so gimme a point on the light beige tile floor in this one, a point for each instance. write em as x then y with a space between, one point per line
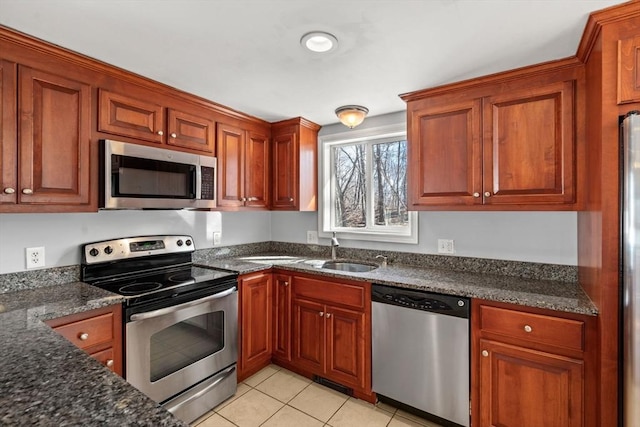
275 397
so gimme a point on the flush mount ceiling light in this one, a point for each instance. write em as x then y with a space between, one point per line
319 41
351 115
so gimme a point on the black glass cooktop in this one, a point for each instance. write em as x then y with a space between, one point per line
167 283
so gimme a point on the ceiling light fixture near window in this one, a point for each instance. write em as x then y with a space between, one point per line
319 41
351 115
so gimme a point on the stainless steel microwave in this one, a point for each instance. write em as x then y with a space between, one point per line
139 177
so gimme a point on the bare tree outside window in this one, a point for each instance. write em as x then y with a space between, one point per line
370 185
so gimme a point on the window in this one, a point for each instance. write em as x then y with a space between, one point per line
365 188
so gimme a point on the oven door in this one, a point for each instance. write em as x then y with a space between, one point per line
172 349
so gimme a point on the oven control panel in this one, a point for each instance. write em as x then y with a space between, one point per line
132 247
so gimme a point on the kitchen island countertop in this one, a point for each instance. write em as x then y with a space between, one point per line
46 381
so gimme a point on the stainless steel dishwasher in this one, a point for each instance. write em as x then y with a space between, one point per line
421 351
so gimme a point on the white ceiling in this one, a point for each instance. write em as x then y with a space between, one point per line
246 53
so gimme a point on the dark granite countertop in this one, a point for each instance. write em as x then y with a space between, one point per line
47 381
550 294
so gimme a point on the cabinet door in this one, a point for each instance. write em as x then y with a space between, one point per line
629 70
122 115
255 323
308 335
8 133
54 148
191 130
256 167
529 144
282 317
345 349
520 387
229 149
285 171
444 153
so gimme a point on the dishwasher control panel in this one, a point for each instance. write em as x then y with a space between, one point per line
419 300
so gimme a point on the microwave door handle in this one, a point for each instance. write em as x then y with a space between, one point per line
173 309
198 182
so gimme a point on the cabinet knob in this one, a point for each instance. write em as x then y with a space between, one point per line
291 199
487 194
252 199
9 190
27 191
173 135
243 199
160 133
321 313
286 283
485 353
84 336
476 194
109 363
328 315
528 328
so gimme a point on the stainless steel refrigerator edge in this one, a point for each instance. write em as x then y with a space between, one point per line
631 270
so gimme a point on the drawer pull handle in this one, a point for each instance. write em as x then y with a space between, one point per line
485 353
321 313
27 191
528 328
83 336
9 190
109 363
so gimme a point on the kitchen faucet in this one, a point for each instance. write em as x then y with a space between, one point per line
334 245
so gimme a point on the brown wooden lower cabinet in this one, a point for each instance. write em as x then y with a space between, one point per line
98 332
531 367
332 331
255 323
309 324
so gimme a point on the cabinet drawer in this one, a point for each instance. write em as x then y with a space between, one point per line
89 332
340 294
105 357
556 331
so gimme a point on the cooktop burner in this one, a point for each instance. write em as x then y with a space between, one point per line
136 288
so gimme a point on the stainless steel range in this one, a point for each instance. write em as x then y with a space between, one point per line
181 320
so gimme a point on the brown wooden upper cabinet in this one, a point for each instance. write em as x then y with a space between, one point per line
191 127
629 70
243 167
498 145
45 147
295 170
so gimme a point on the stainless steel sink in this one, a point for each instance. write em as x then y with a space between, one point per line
353 267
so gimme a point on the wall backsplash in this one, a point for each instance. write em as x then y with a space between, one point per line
541 237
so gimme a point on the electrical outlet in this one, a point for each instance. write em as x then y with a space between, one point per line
445 246
312 237
217 237
34 257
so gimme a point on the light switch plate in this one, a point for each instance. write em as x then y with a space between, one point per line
312 237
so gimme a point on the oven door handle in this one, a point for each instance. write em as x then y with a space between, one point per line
173 309
220 377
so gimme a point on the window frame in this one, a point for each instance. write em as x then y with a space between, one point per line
326 212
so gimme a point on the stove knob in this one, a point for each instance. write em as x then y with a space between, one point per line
94 252
188 242
179 242
108 250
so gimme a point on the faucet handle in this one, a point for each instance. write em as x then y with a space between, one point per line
384 259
